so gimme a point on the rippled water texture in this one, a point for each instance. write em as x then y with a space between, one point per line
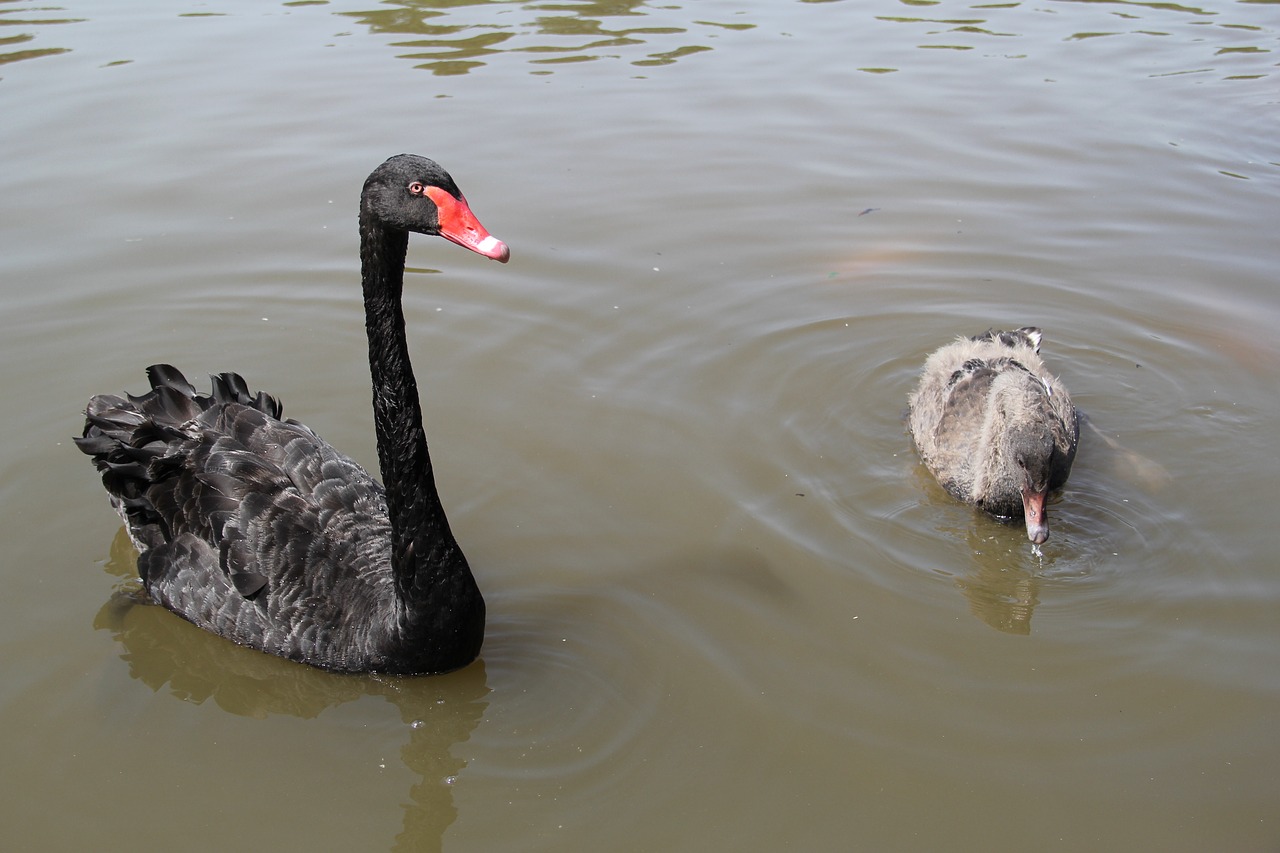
729 610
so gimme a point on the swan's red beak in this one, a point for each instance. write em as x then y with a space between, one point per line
459 224
1033 509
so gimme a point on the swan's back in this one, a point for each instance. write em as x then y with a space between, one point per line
247 525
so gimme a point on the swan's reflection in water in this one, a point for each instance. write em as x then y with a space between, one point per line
167 653
1001 581
1002 587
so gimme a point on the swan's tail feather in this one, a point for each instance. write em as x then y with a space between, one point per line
134 443
231 388
1026 336
166 375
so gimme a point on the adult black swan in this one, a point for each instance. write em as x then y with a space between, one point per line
994 426
254 528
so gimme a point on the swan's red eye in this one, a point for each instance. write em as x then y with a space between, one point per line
416 188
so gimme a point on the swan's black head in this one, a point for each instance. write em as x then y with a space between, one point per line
413 193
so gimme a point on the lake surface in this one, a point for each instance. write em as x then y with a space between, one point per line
728 609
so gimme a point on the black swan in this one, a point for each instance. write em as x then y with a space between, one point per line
994 426
254 528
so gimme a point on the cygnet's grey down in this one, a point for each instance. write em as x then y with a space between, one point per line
994 427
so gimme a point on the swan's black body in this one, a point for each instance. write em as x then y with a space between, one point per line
254 528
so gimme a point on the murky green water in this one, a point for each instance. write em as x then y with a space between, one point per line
728 609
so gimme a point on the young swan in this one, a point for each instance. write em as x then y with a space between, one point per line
994 426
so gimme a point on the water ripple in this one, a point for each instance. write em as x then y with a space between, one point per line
458 38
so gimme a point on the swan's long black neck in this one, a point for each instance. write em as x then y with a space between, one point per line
431 573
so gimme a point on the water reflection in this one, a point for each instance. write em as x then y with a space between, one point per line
164 651
979 23
32 17
455 36
1002 586
1003 576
